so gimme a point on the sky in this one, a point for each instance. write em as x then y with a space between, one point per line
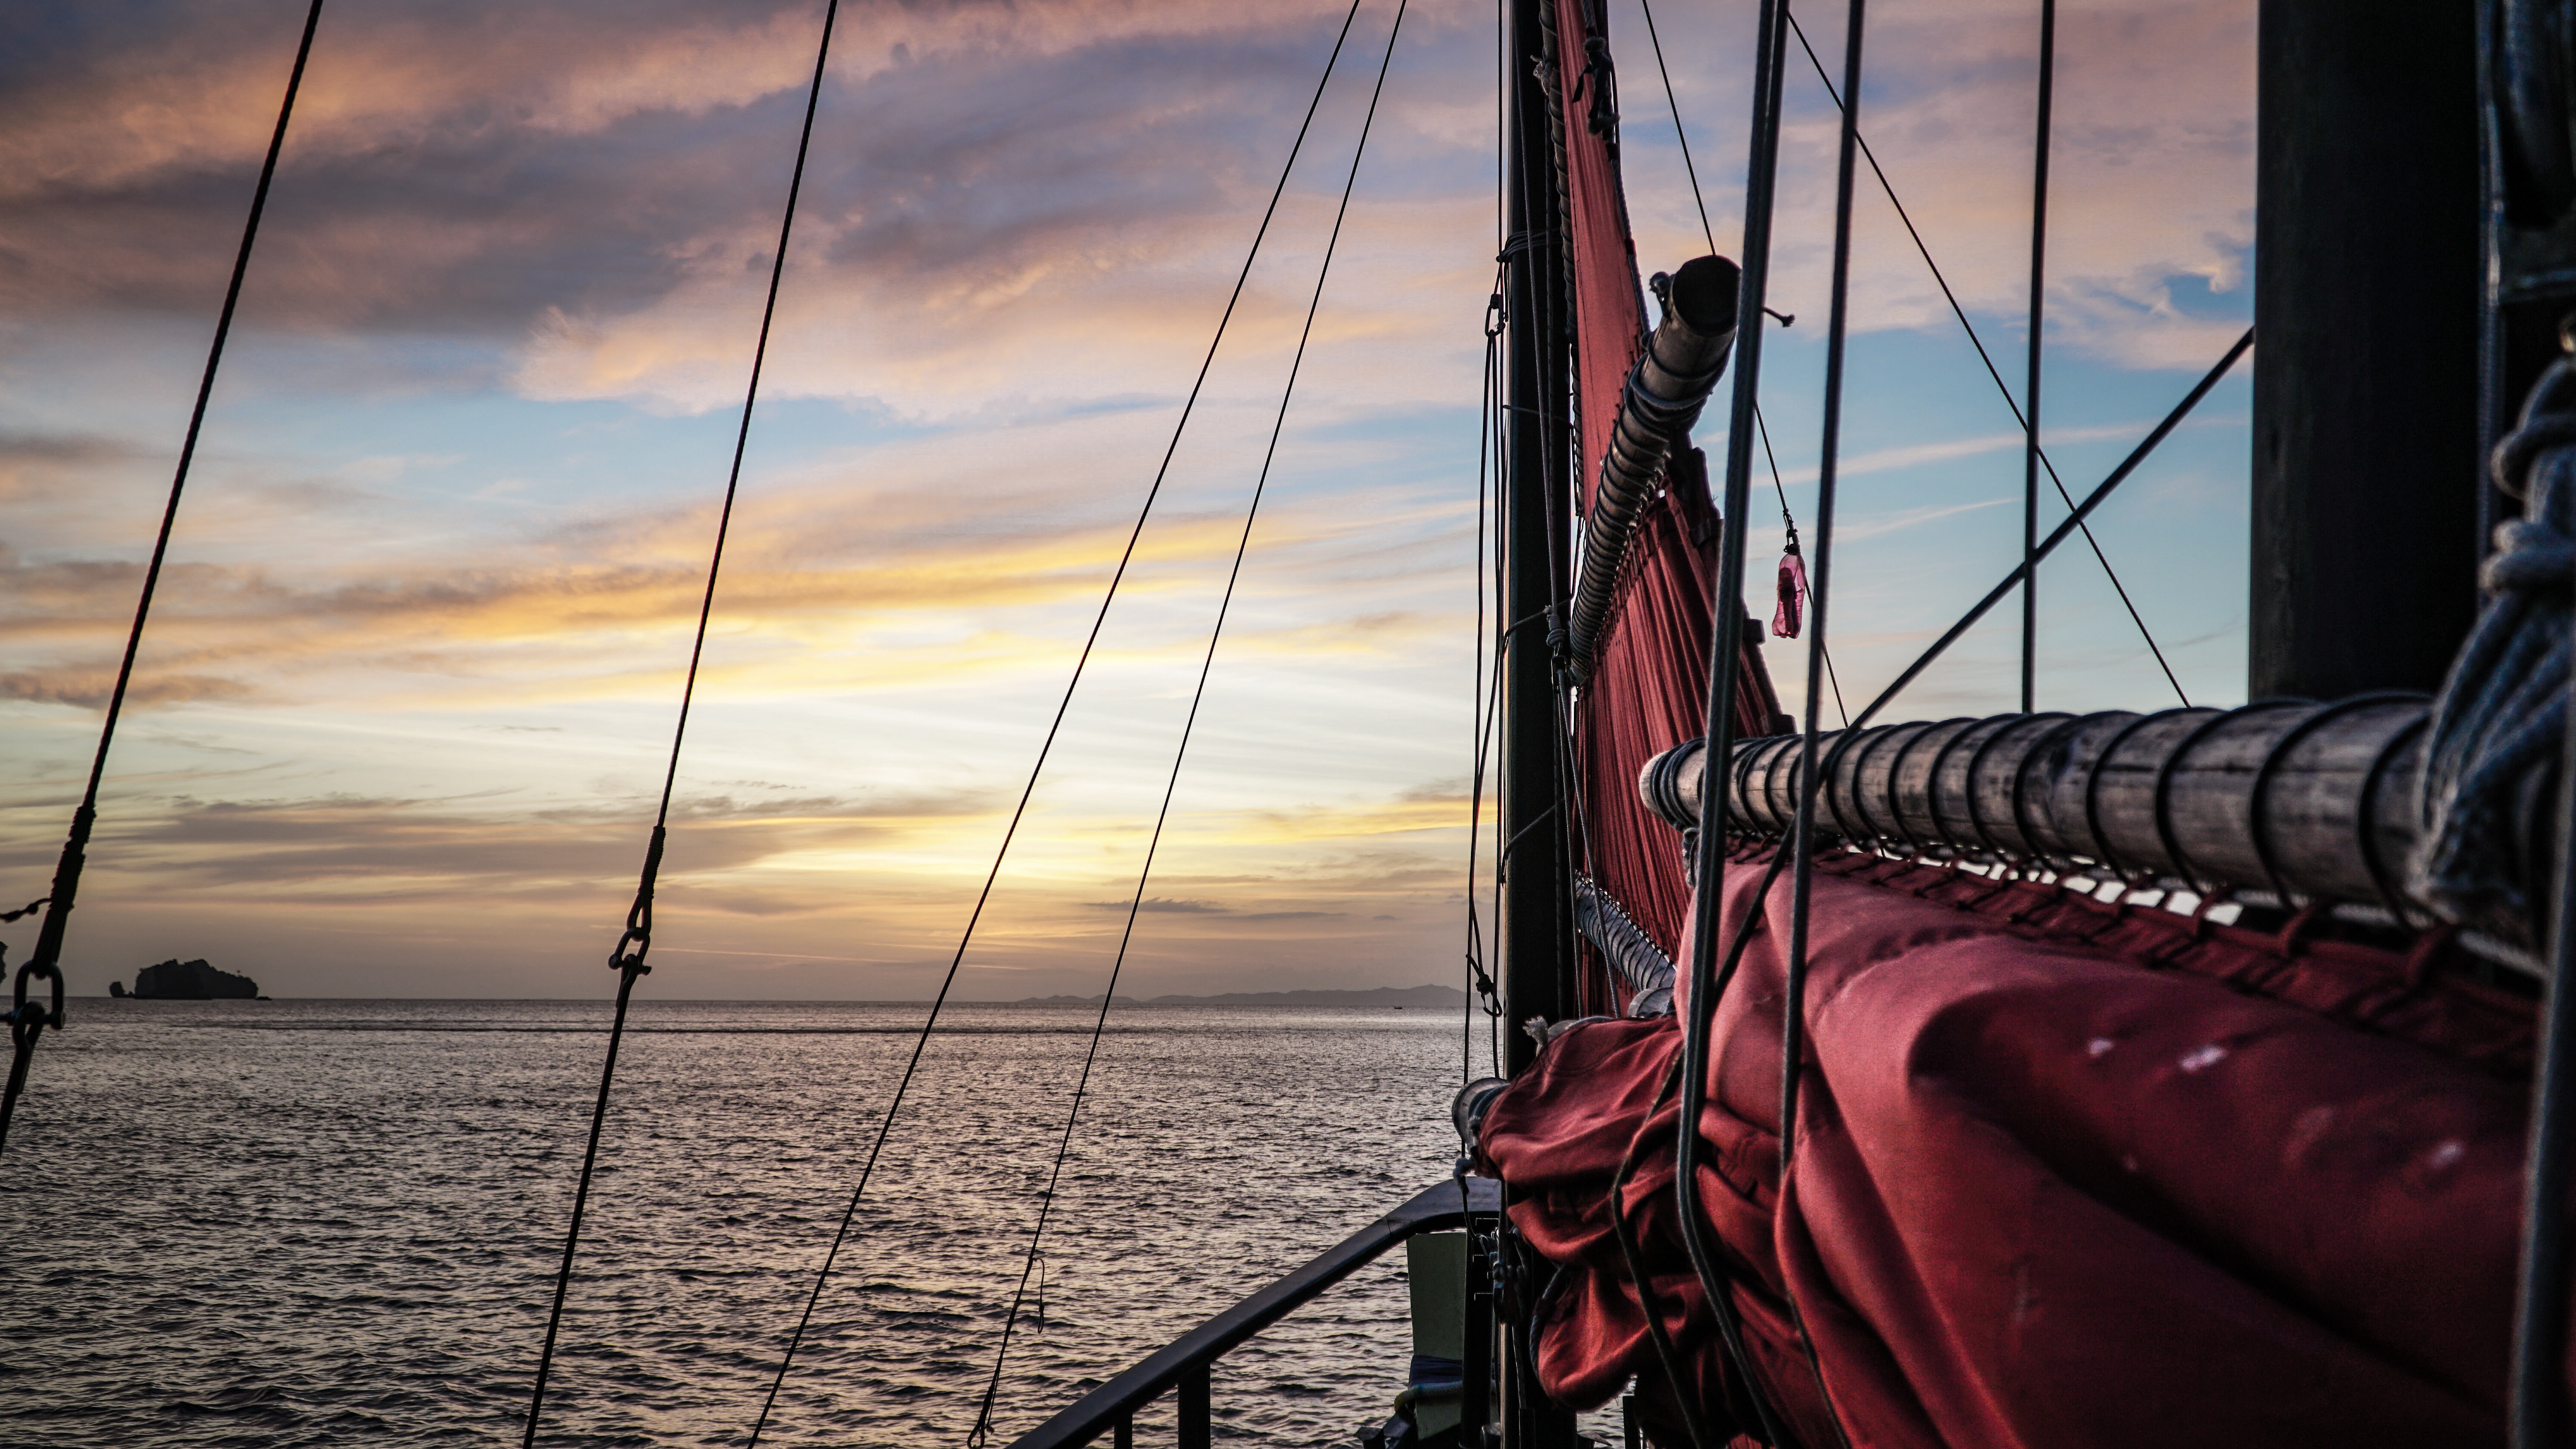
399 722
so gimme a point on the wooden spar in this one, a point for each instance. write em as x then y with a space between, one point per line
1537 915
1666 389
2308 802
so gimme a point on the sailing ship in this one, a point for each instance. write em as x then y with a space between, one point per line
2187 1076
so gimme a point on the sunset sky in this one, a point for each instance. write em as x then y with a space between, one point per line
399 720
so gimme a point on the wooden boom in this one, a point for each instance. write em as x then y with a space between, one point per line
2310 802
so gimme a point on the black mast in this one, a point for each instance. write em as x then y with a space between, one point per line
1537 916
1536 926
2367 282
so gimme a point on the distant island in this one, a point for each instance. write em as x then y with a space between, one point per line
188 981
1407 996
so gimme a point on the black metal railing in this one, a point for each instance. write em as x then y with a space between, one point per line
1111 1409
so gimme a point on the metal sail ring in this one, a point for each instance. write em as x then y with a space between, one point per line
1896 772
1743 773
2260 806
1941 818
2163 808
1784 749
2366 829
1986 833
2093 782
1860 754
2030 837
1829 768
1888 832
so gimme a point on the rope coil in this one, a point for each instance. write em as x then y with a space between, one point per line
2483 853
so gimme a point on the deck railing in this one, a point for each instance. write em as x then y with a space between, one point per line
1184 1363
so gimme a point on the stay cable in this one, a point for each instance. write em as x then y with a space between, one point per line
912 1064
2002 388
627 957
1180 753
28 1020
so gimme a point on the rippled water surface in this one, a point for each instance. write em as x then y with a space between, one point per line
336 1222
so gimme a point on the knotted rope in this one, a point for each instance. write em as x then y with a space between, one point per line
2485 840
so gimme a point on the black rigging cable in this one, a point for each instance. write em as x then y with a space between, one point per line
1126 555
976 1437
2002 388
638 935
1828 456
2069 525
1480 982
2030 388
1489 443
28 1021
1761 174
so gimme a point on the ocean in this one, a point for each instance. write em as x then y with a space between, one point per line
338 1222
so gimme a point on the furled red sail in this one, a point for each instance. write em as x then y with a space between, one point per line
1648 687
2066 1174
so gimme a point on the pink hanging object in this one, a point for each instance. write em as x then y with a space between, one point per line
1793 596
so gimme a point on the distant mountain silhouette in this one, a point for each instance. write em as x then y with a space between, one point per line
1407 996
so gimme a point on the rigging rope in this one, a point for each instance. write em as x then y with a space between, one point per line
2030 388
27 1023
977 1436
1761 174
2002 389
1480 981
2059 535
1082 661
638 935
1828 457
